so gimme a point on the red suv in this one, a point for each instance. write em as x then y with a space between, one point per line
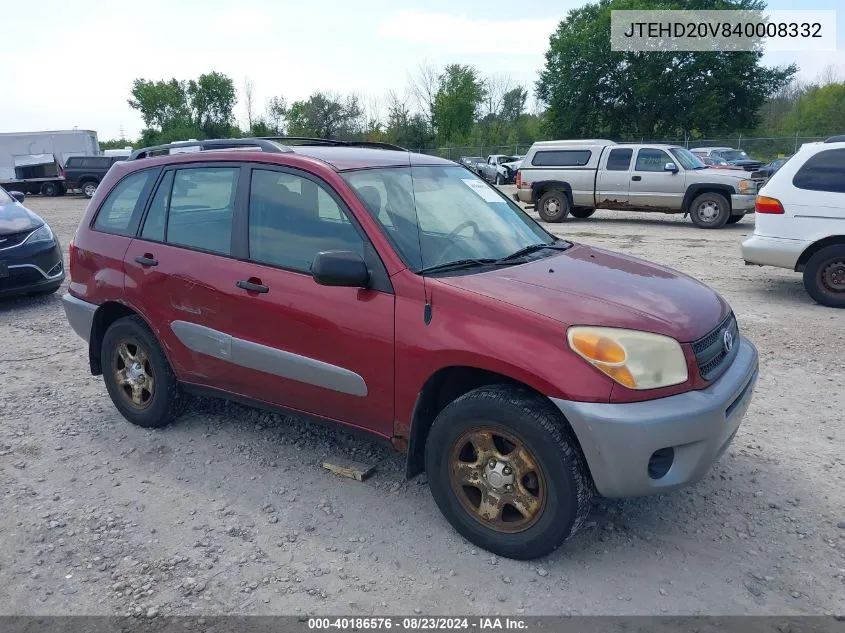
400 294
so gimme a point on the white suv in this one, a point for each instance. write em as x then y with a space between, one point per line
800 220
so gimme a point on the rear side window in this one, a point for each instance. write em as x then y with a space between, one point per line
116 213
201 208
562 158
619 159
824 171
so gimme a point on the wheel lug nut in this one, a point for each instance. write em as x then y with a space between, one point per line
506 470
492 463
509 487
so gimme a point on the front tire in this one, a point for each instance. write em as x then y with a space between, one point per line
824 276
499 179
553 206
507 473
138 377
710 211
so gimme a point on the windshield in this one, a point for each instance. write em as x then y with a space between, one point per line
509 159
435 215
5 198
734 154
687 159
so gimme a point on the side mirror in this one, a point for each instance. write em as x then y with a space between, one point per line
340 268
20 196
670 167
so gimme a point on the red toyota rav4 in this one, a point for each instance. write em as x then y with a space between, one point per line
400 294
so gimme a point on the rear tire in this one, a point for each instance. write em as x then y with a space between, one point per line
501 444
735 218
138 377
824 276
582 212
89 188
49 189
553 206
710 211
499 180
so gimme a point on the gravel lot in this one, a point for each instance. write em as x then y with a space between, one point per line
228 510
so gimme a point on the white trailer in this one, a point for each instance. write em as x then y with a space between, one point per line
32 162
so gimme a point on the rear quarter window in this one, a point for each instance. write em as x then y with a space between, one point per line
123 203
562 158
824 171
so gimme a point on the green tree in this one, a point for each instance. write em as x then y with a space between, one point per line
325 115
116 143
161 103
513 104
460 93
211 100
591 90
277 111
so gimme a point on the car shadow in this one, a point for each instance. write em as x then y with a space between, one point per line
30 301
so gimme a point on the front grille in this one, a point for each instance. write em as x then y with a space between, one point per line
19 277
712 353
14 239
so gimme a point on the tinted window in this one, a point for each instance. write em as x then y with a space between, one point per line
652 160
291 219
619 159
115 216
157 213
823 172
201 208
562 158
73 162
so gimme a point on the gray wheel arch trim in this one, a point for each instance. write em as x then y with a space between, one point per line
80 315
243 353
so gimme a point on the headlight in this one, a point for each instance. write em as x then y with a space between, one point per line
637 360
746 186
41 234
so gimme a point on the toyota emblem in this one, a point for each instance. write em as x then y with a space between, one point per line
728 341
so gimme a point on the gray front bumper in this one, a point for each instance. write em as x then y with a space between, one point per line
742 202
619 439
80 315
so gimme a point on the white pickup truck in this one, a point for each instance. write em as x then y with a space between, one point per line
563 178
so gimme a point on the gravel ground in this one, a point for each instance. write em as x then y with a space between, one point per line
228 510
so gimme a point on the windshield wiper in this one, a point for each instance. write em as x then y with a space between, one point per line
559 245
456 265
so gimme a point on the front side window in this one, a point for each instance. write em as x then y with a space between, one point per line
292 218
115 215
734 154
201 209
652 160
824 171
435 215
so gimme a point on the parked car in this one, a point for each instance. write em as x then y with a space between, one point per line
86 172
500 169
30 253
733 156
398 294
800 222
473 163
719 163
577 177
766 171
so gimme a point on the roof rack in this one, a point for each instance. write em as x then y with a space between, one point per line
264 145
308 140
836 139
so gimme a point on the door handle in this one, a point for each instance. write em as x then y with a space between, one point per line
252 287
636 178
146 260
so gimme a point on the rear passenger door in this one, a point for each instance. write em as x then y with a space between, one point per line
179 272
652 187
614 178
326 351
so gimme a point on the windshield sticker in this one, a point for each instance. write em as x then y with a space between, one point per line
487 193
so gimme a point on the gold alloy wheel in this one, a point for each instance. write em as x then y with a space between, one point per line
497 479
133 373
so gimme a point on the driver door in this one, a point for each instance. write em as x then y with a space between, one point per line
651 185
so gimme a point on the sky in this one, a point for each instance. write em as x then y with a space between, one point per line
72 64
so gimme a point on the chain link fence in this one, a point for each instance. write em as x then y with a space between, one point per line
760 147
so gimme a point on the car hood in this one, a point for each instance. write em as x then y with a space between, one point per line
15 218
591 286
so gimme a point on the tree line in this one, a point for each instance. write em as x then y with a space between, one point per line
584 90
